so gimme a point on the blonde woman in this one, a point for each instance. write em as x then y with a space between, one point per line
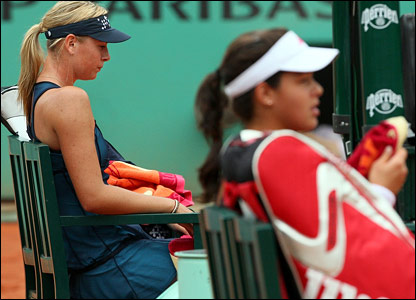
115 262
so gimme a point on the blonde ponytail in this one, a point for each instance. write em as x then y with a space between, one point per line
32 58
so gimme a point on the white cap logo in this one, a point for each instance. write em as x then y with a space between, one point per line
104 22
378 16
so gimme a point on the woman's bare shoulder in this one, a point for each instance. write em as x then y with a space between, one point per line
67 101
62 112
70 94
67 106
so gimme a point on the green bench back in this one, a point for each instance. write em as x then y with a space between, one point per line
41 225
25 219
242 255
216 228
257 248
48 232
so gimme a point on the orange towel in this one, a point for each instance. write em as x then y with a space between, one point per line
148 182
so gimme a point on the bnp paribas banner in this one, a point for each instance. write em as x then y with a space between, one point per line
143 98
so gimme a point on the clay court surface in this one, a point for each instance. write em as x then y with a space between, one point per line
12 272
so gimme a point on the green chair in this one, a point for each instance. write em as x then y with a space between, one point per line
25 219
242 255
216 228
258 259
52 270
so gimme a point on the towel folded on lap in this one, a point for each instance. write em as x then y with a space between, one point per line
148 182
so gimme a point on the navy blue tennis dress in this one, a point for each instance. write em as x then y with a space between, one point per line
117 262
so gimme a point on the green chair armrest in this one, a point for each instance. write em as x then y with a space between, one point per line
158 218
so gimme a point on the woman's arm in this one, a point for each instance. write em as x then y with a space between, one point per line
73 122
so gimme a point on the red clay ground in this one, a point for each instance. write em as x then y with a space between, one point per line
12 271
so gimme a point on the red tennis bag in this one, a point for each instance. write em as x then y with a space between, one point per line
340 239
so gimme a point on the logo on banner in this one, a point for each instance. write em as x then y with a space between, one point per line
384 101
378 16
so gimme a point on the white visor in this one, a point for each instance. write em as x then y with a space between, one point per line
291 54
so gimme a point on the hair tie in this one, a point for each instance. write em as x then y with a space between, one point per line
220 80
218 74
40 25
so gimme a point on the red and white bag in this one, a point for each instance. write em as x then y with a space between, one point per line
341 240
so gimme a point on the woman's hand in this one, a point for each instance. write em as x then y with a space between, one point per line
181 228
390 170
185 228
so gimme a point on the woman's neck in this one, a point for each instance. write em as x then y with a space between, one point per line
56 72
263 125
